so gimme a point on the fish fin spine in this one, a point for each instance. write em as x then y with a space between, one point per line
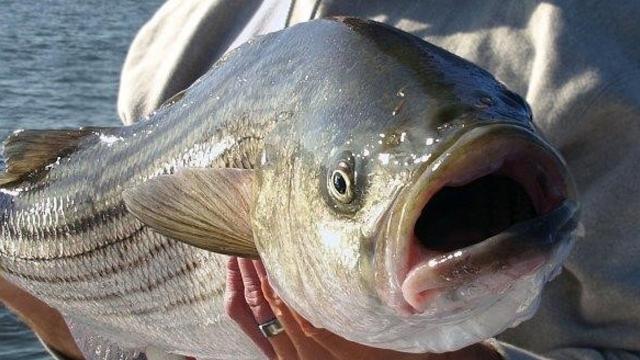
28 152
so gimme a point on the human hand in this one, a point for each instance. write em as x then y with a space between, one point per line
251 301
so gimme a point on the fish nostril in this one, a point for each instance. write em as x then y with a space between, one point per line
514 100
484 102
448 113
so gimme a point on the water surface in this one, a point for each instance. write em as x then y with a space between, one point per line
60 64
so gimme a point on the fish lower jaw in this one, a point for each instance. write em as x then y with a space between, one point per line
426 291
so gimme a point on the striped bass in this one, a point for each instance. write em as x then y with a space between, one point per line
398 195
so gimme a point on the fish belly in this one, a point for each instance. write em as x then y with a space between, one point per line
140 290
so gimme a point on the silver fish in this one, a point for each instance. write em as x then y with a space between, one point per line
397 194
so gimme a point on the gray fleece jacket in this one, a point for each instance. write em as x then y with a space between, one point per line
576 62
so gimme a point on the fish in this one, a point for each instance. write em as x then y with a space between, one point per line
398 195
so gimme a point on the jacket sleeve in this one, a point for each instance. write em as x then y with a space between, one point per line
174 48
582 80
510 352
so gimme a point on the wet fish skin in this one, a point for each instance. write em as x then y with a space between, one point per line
288 105
413 104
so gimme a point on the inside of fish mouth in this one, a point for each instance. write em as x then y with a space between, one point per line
459 216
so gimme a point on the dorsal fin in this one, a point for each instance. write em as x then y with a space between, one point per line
174 99
29 151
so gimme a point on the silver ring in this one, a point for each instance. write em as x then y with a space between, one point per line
271 328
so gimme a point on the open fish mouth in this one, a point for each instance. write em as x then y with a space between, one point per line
484 214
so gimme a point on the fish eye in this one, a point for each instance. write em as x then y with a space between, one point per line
340 183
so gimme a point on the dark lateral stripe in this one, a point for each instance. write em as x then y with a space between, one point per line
79 226
94 274
175 144
177 136
158 141
112 295
186 301
87 223
89 251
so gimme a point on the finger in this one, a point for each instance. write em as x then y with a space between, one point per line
267 291
342 348
305 347
238 309
261 309
262 272
315 343
339 347
253 293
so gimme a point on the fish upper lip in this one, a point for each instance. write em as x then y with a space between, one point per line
457 166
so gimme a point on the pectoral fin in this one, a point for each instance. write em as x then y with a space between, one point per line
207 208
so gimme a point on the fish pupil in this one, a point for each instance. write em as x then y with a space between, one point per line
339 183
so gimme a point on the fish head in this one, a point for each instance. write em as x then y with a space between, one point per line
412 204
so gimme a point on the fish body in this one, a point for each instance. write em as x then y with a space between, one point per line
354 139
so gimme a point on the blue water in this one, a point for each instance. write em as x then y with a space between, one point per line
59 67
